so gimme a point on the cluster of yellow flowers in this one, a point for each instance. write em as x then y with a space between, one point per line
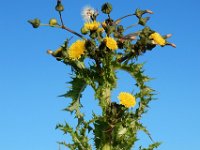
78 48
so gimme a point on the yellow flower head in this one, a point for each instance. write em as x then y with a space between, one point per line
92 26
76 49
111 43
157 39
127 99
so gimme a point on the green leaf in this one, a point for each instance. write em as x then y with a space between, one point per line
151 147
80 141
78 86
139 126
101 136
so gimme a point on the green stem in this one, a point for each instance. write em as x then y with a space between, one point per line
119 19
104 98
107 95
133 25
69 30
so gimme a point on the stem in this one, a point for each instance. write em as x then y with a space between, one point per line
66 28
104 97
119 19
133 25
125 57
107 94
109 16
61 18
73 32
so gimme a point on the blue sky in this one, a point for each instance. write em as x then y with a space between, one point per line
30 80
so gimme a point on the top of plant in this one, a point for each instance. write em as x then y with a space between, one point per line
108 47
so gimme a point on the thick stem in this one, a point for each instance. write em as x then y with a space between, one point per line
107 95
104 98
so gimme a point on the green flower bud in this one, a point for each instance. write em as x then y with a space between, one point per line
120 29
106 8
59 7
117 35
120 45
93 35
139 13
143 21
35 23
106 147
84 30
53 22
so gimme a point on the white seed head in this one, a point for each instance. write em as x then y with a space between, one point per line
88 12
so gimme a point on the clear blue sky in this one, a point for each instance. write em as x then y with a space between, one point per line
30 80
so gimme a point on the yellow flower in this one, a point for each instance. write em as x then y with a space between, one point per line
76 49
92 26
157 39
127 99
111 43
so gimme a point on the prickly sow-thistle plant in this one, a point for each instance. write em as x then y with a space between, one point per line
107 50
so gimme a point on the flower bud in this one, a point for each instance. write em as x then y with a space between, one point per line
139 13
103 24
106 147
53 22
143 21
100 30
59 7
35 23
106 8
93 35
84 30
120 29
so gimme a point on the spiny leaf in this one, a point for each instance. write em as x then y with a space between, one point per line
80 141
151 147
78 85
101 136
144 129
